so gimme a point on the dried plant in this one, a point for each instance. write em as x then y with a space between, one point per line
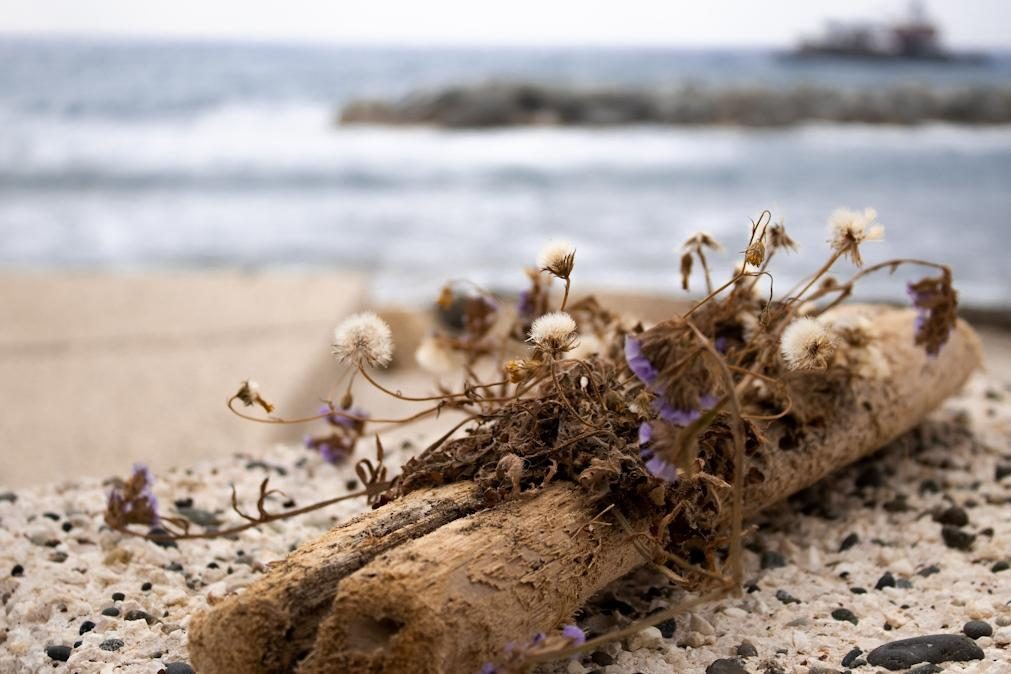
653 421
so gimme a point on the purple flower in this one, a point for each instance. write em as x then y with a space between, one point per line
708 401
338 418
538 639
672 415
662 469
575 635
525 304
488 668
721 344
637 361
645 433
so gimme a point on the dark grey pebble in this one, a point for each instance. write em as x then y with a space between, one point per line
988 532
351 485
1000 566
667 628
137 614
174 566
51 516
934 648
111 611
59 653
858 590
929 571
66 526
77 644
956 538
899 504
974 629
851 657
925 669
18 571
904 584
746 649
887 580
772 560
8 496
204 518
178 668
146 587
86 626
601 658
111 644
955 516
162 543
118 596
844 614
930 486
786 598
815 669
1001 472
871 476
726 666
183 502
849 542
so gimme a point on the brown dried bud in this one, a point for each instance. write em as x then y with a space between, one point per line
249 394
755 254
686 269
778 238
519 370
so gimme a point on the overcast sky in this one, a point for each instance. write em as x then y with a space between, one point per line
967 23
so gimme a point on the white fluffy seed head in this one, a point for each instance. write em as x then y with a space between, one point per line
848 229
557 257
363 339
807 344
433 357
554 332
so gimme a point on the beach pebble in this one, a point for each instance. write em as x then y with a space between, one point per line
974 629
936 648
746 649
886 580
178 668
1002 637
850 658
957 538
667 628
844 614
647 638
954 516
59 653
699 624
111 644
726 666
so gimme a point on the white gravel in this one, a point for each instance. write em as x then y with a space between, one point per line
72 565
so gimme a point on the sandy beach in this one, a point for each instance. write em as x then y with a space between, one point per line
141 368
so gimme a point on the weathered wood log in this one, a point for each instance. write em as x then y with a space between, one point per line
272 625
450 599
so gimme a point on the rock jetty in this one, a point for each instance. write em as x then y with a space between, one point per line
497 104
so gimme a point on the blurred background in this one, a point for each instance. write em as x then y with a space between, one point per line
192 193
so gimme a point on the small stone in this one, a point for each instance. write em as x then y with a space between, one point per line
929 571
1000 566
858 590
111 645
67 526
17 571
974 629
925 669
204 518
844 614
956 538
111 611
887 580
735 612
772 560
667 628
178 668
146 587
162 543
746 649
871 476
935 648
601 658
86 626
59 653
822 670
726 666
786 598
849 542
954 516
8 496
137 614
699 624
647 638
851 657
183 502
1001 472
118 596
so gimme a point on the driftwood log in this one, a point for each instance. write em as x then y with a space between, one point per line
435 582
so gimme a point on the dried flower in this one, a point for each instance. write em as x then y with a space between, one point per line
433 356
701 240
249 394
575 635
687 260
518 370
936 302
860 335
554 333
807 344
348 426
849 229
779 239
133 501
588 345
755 254
557 258
363 339
656 466
637 361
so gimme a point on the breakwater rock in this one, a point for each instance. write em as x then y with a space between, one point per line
497 104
